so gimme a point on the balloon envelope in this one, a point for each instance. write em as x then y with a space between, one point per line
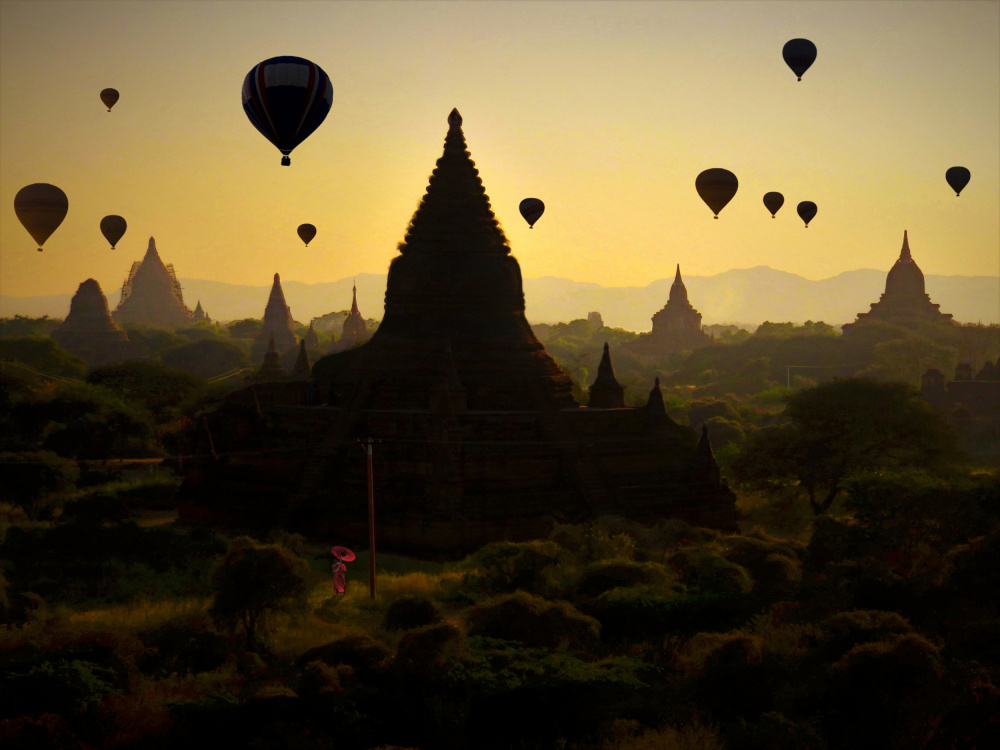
958 178
306 233
773 201
40 208
113 227
343 553
532 210
799 54
286 99
807 210
109 97
716 187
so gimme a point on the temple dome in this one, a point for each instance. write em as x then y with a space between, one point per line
905 278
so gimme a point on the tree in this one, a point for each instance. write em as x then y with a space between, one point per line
28 477
152 385
43 354
252 580
247 328
206 358
841 428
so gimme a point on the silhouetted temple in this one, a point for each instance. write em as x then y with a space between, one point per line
676 328
89 331
477 436
200 314
278 324
354 330
151 295
904 300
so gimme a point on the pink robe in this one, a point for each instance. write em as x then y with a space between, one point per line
340 577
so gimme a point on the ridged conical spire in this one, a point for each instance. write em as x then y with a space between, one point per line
303 369
904 253
277 323
271 369
606 392
151 253
312 338
705 458
677 290
455 214
655 406
354 300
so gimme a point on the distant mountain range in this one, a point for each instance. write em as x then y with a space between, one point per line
750 296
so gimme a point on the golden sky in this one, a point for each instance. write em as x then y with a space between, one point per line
607 111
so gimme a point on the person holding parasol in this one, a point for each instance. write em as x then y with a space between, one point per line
340 556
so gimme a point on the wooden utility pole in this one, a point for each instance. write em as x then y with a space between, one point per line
371 522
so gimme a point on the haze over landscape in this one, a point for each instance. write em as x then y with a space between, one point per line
606 111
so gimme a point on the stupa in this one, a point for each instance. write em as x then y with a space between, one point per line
311 337
355 330
676 328
271 368
200 314
606 392
904 300
89 331
278 324
151 295
476 436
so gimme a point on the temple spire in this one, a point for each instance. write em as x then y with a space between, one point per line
151 251
705 458
354 300
904 254
677 290
302 370
455 214
606 392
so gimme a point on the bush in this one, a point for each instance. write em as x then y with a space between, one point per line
361 652
424 653
533 621
842 631
504 567
598 577
410 612
634 615
183 648
707 570
29 477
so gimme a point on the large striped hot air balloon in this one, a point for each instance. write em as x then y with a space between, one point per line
286 99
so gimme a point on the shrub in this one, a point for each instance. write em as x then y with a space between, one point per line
598 577
426 651
363 653
532 621
29 477
504 567
706 569
633 615
182 648
410 612
842 631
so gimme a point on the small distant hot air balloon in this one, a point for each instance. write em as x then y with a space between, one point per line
40 208
113 227
799 54
773 201
958 178
716 187
109 97
807 211
532 210
286 99
306 233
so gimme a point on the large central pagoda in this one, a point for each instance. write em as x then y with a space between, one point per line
454 300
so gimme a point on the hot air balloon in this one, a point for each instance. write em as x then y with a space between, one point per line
773 201
40 208
286 99
532 210
958 178
109 97
306 233
799 54
807 211
716 187
113 227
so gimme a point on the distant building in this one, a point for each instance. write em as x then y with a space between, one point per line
904 300
676 328
355 331
151 295
972 405
200 314
89 331
277 324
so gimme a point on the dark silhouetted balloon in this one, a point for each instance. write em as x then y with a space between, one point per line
958 178
286 99
40 208
109 97
773 201
799 54
807 211
532 210
113 227
306 233
716 187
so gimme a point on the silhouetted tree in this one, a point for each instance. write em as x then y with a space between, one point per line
253 579
843 427
150 384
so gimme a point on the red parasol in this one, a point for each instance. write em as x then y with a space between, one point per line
343 553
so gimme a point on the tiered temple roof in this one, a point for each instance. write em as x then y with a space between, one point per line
904 300
278 324
355 330
676 327
151 295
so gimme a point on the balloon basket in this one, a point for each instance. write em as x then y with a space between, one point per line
285 161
